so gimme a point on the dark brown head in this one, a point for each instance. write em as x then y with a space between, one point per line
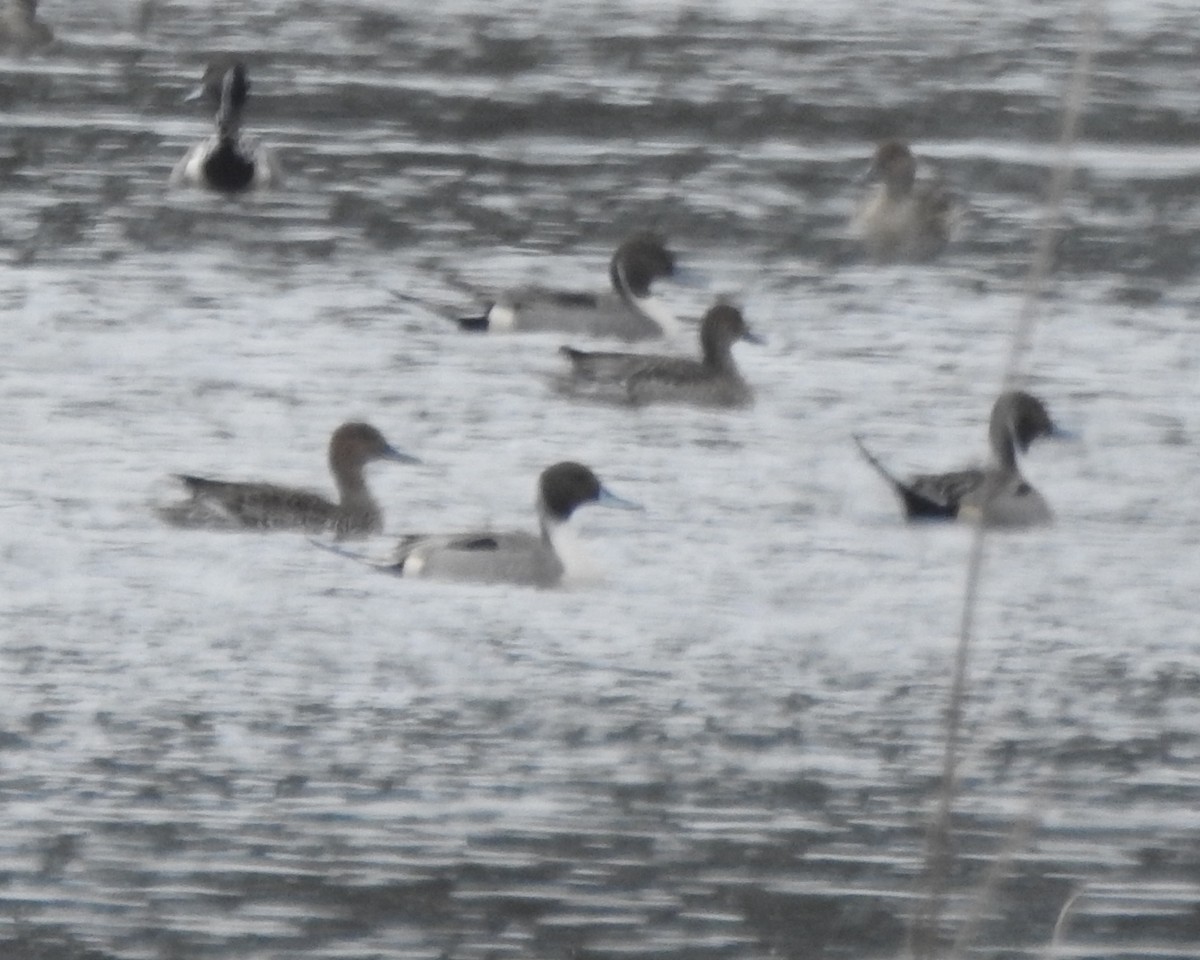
894 166
1018 418
567 486
638 262
721 327
1027 416
355 444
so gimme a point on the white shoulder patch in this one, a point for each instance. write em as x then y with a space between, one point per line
502 318
190 168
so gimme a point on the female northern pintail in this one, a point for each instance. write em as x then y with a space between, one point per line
228 505
1005 498
226 161
711 381
901 218
542 560
630 311
20 29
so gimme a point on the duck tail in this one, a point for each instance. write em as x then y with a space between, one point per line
198 486
883 471
585 365
388 565
477 324
341 551
916 504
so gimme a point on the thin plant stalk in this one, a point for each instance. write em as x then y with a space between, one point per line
924 932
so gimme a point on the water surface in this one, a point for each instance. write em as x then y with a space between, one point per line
238 746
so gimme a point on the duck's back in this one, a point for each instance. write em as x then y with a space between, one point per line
227 505
686 381
914 227
943 493
486 557
1007 501
592 314
603 366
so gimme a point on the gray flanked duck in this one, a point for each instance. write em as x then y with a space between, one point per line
629 311
713 380
226 162
998 491
544 559
903 218
232 505
20 29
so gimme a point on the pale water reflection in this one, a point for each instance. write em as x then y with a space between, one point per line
237 746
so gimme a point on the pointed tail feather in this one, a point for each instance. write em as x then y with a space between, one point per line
474 324
588 368
580 360
916 504
874 461
338 549
193 483
383 566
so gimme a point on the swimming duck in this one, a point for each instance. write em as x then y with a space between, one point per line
1005 498
711 381
20 29
230 505
517 557
901 218
226 162
630 311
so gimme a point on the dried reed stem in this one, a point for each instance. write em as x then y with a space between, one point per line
923 935
1060 925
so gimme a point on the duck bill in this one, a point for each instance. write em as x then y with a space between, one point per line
398 456
607 498
751 337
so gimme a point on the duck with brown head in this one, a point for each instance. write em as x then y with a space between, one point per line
713 380
236 505
903 218
998 492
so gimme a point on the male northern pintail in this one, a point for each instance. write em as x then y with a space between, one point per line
903 218
228 505
20 29
711 381
1005 498
629 311
226 161
537 560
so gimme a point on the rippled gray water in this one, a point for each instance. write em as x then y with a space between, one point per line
239 747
